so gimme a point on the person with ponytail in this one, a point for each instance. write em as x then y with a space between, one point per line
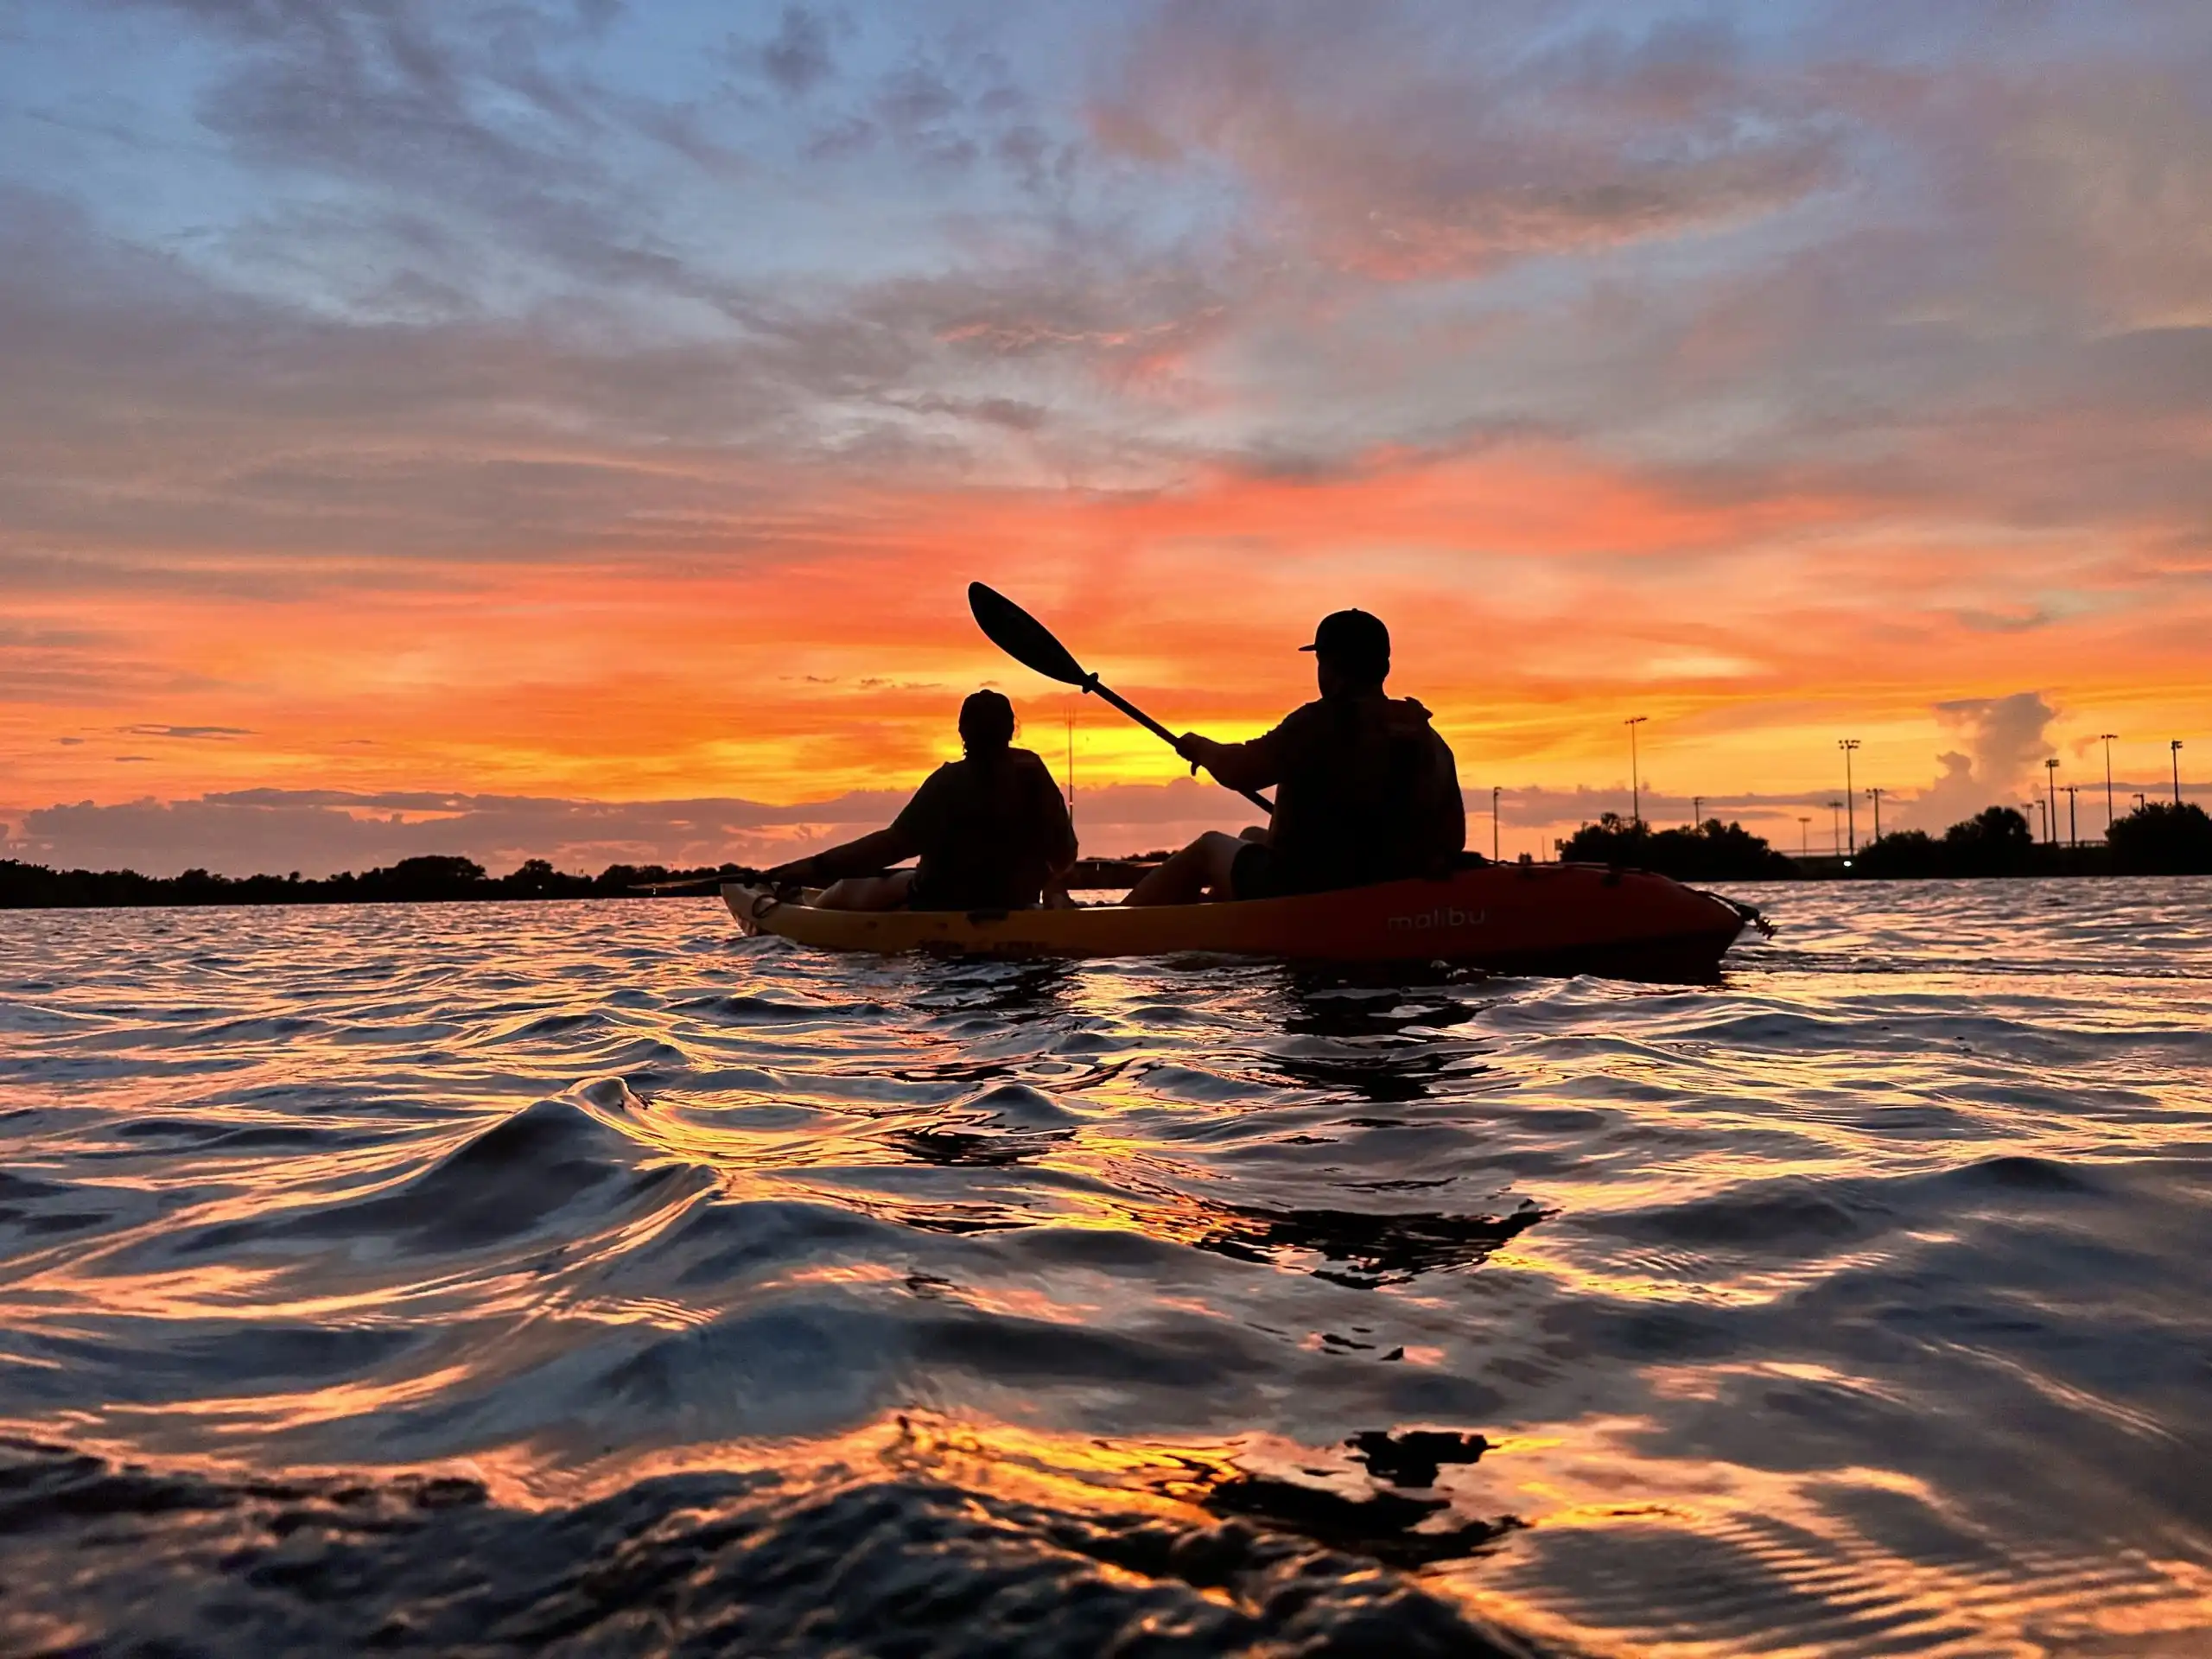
990 830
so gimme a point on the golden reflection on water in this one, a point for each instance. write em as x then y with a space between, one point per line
1846 1307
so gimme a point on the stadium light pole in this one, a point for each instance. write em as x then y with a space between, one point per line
1635 778
1495 791
1835 828
2073 817
2106 739
2051 777
1805 834
1850 800
2174 748
1875 795
1697 811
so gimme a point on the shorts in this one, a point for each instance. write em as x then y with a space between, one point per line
1255 873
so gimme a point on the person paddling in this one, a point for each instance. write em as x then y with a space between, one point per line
991 831
1367 790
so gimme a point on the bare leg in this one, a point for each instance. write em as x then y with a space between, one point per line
867 891
1190 874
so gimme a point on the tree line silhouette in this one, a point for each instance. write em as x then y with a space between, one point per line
435 879
1712 851
2156 839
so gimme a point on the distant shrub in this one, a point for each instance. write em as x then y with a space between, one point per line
1996 840
1904 854
2162 839
1712 851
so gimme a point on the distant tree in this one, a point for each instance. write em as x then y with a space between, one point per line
1994 841
439 866
1902 854
2161 838
1712 851
428 878
538 878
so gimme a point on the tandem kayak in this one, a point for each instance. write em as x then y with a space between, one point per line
1522 918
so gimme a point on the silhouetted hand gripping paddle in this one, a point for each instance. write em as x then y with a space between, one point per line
1030 643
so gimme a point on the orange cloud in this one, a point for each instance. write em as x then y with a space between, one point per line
1537 598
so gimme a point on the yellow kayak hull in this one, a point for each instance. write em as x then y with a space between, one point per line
1538 918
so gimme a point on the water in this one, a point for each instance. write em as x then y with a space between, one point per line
583 1276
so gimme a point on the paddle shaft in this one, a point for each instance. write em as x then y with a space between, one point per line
1162 732
1030 643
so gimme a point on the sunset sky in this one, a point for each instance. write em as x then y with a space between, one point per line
568 427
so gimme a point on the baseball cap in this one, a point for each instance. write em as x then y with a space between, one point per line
1354 636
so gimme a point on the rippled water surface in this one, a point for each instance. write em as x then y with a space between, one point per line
585 1277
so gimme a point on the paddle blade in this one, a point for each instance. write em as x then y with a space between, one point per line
1021 636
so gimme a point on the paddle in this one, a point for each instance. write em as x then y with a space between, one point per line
1030 643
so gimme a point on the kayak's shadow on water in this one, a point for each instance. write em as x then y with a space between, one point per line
1014 988
1378 1040
1361 1251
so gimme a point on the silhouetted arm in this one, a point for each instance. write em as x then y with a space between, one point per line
1255 764
1060 847
870 853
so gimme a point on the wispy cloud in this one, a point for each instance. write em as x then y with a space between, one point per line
797 57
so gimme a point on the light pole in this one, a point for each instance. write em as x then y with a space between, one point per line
2141 801
2042 817
1635 778
1850 801
2073 817
2106 738
1495 791
2051 777
1875 795
1697 812
1835 829
2175 748
1805 836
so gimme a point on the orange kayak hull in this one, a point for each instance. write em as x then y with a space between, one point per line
1522 919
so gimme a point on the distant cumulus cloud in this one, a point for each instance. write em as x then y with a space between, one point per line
2006 738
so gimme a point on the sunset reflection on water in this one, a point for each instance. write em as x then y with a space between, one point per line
1855 1305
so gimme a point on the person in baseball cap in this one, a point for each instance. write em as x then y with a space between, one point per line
1367 790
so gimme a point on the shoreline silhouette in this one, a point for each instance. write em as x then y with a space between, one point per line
2156 839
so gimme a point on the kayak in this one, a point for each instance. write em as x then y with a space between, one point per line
1522 918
